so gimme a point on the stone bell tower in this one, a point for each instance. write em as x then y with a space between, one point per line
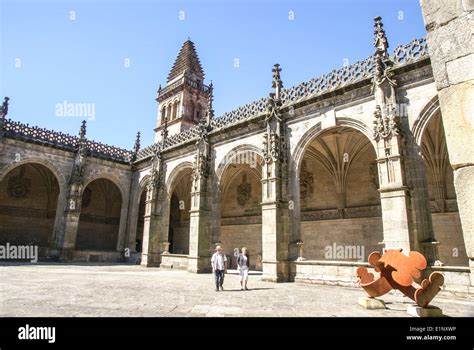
184 99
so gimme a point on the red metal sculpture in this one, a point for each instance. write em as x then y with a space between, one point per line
398 271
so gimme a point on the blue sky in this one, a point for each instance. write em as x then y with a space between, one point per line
114 54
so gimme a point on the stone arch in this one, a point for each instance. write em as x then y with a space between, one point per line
176 173
29 204
430 109
315 131
53 168
143 183
236 151
109 177
226 181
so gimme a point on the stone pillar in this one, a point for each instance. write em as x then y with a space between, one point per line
275 241
72 210
199 231
216 208
59 224
449 37
394 194
153 230
155 233
275 220
200 213
71 224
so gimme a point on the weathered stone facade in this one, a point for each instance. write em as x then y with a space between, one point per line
362 157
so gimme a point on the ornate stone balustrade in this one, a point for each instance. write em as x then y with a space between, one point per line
415 50
25 132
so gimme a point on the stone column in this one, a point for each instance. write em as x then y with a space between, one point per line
200 213
153 230
59 224
72 214
394 194
450 40
72 210
150 255
199 229
216 207
275 220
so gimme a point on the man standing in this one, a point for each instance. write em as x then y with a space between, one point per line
219 267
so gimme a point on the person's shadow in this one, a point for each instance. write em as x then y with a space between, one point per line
249 290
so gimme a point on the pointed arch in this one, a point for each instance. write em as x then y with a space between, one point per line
60 177
242 153
178 172
431 108
316 130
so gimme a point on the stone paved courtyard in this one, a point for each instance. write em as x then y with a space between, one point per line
129 290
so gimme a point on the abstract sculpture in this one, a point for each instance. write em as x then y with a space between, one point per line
398 271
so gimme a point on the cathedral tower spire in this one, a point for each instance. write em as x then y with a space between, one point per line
184 99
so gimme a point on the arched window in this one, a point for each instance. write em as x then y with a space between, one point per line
175 109
163 115
169 112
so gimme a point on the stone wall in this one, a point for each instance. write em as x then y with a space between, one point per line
174 261
339 273
97 235
238 236
181 239
448 231
364 232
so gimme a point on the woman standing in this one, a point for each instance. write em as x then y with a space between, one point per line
243 264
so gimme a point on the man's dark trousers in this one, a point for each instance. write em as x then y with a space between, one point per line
219 278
